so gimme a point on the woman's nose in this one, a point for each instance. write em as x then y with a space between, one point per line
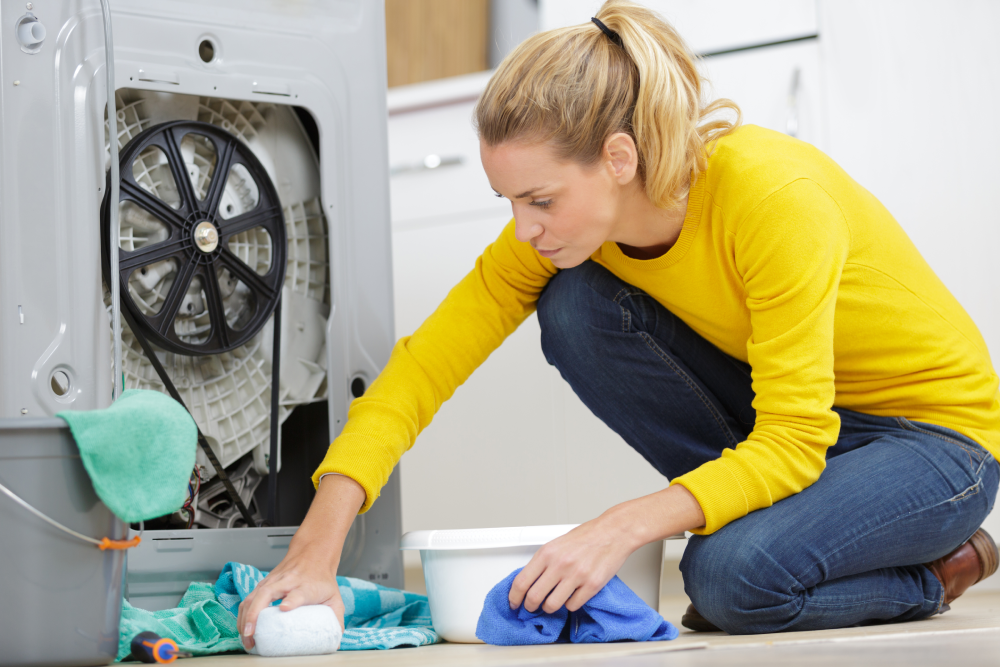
525 230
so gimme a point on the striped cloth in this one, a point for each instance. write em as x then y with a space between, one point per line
376 617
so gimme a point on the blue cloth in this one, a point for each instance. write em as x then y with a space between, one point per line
376 617
615 614
847 549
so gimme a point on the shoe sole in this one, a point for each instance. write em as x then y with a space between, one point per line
698 623
986 549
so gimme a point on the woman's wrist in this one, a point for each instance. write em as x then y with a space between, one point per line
324 529
655 517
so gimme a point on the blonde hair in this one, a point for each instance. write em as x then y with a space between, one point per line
573 87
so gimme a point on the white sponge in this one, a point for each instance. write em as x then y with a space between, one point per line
310 630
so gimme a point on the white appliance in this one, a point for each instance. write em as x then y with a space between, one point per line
296 88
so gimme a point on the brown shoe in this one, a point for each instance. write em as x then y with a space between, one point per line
692 620
967 565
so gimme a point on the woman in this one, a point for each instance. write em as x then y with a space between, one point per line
741 312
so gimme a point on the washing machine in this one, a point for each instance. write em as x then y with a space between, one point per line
256 127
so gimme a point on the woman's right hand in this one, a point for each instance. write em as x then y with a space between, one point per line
308 574
300 579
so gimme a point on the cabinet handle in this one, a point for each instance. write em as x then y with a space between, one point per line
792 123
429 163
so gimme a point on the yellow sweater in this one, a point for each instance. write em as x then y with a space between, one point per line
783 262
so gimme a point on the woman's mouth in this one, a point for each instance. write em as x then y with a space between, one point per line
548 253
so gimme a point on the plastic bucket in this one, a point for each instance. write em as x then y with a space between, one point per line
462 566
61 596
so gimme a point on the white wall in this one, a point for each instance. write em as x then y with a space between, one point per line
913 88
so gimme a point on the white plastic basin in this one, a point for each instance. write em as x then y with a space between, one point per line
461 566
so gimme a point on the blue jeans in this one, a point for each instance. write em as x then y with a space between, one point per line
846 550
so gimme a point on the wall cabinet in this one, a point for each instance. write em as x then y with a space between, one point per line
765 55
708 26
777 87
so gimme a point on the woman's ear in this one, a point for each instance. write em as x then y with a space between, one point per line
622 157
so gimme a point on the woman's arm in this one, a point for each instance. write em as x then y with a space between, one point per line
426 368
308 573
790 251
573 568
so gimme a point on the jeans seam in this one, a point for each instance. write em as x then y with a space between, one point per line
971 491
906 424
868 601
937 609
626 314
687 380
624 292
986 459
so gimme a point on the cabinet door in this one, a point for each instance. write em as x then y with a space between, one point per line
777 87
437 176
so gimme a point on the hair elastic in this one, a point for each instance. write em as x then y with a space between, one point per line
612 35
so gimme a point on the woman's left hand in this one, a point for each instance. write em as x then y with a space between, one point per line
573 568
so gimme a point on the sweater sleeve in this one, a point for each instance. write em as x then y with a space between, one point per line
425 369
790 250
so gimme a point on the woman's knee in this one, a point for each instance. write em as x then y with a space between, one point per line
739 585
569 310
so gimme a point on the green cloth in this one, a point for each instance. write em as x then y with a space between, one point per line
139 453
375 617
199 625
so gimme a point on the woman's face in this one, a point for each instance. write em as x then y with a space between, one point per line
563 209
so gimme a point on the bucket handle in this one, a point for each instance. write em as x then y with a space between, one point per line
102 544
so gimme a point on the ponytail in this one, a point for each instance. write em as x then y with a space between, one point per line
574 87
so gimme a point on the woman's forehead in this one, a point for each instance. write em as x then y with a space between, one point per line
517 169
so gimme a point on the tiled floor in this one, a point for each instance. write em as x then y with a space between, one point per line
968 635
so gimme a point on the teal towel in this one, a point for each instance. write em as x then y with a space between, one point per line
205 622
376 617
139 453
199 625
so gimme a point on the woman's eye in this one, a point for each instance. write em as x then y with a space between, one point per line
542 204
